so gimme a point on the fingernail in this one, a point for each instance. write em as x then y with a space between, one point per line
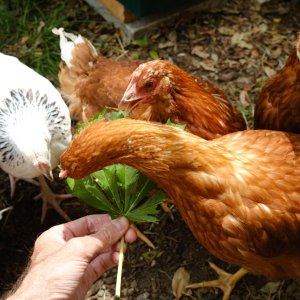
121 223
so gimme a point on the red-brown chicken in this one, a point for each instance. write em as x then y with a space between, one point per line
239 194
278 105
89 81
159 90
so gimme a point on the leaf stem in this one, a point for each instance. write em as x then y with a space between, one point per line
120 267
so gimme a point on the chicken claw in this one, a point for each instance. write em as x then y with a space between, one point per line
51 199
226 281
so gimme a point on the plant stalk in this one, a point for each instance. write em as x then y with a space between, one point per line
120 267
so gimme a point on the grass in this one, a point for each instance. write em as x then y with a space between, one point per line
30 38
26 30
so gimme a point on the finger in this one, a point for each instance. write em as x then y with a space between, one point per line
83 226
101 264
90 246
130 236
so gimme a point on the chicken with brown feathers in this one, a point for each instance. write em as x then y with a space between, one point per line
278 105
239 194
89 81
159 90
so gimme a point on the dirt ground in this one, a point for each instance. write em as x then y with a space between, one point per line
237 48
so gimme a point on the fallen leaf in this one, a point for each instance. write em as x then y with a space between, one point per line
271 287
277 20
140 42
239 39
262 28
198 50
153 54
269 71
244 98
276 53
226 30
180 280
214 57
166 44
172 36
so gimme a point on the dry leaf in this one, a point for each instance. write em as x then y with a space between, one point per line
244 98
208 65
214 57
269 71
276 53
262 28
172 36
180 280
166 44
271 287
198 50
226 30
239 39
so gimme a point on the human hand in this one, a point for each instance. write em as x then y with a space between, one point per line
68 258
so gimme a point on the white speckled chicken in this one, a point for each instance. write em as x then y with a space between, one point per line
35 128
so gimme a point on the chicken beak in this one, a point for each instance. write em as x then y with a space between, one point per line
129 96
49 175
46 170
128 99
63 174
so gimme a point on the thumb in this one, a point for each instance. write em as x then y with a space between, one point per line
111 232
90 246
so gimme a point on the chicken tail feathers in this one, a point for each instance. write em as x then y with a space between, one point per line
78 56
75 50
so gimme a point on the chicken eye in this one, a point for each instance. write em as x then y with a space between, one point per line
148 85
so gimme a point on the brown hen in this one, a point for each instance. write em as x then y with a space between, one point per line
278 105
89 81
239 194
159 90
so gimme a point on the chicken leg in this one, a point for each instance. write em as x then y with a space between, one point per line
226 281
13 181
51 199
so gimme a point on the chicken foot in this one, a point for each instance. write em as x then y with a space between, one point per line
226 281
13 181
51 199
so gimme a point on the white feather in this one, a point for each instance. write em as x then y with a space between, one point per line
35 125
68 42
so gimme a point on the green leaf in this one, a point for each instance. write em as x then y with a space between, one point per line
113 186
140 42
127 176
114 115
143 188
298 54
180 126
149 207
85 190
153 54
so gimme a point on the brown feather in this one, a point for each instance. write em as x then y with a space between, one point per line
239 194
93 81
183 98
278 105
